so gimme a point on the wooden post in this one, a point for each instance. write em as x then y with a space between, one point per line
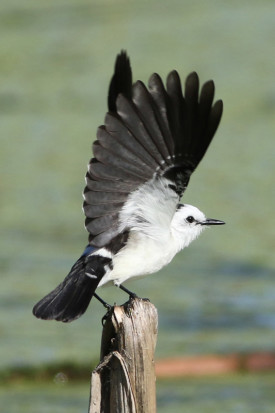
125 381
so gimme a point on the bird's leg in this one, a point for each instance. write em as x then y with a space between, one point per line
106 305
131 295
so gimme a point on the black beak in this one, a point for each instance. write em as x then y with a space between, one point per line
210 221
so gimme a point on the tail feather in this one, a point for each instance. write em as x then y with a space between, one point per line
70 299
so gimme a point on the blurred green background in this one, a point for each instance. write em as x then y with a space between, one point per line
56 59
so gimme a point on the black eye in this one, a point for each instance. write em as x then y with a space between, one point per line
190 219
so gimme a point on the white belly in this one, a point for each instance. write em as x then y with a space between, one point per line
142 255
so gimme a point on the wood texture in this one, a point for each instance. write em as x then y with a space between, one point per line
124 381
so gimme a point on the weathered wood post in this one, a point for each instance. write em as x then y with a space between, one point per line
125 381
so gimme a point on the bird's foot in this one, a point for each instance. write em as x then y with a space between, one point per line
106 305
132 296
128 306
107 315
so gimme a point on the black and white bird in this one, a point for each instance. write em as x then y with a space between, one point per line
151 141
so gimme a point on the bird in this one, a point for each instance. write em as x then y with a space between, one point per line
152 140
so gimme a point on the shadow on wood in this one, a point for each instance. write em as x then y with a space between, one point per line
125 381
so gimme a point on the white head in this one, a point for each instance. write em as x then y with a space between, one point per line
187 224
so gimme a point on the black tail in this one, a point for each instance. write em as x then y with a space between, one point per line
71 298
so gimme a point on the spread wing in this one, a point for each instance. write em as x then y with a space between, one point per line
148 134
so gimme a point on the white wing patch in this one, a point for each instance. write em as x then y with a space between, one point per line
150 209
91 275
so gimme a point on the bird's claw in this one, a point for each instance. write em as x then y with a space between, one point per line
129 304
107 315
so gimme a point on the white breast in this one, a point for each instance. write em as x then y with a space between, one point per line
142 255
148 213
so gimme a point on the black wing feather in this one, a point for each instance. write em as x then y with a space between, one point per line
147 113
121 159
121 81
214 120
117 148
101 224
109 172
106 186
176 112
133 120
160 98
94 211
119 132
99 198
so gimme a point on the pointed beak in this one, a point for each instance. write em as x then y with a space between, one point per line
210 221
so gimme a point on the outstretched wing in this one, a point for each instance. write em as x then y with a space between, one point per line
149 134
